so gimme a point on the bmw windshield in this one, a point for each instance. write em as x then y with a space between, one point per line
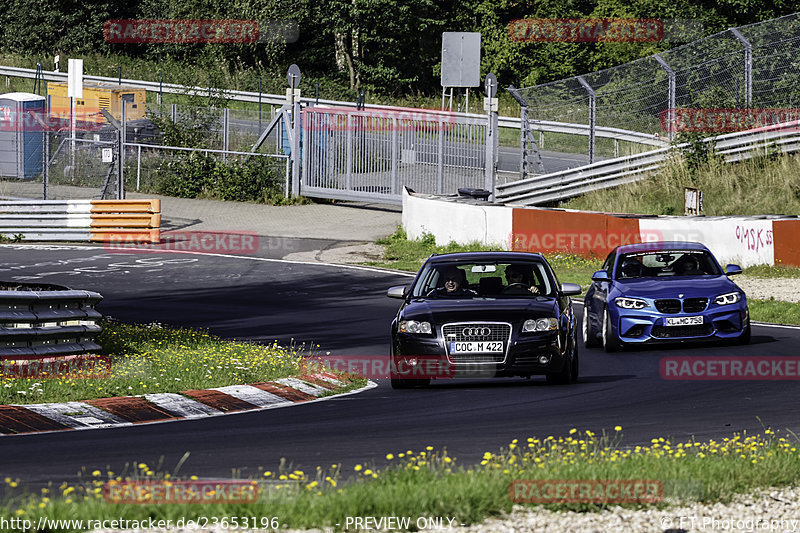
666 263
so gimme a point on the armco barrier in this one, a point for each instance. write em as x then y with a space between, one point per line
747 241
82 220
737 146
40 321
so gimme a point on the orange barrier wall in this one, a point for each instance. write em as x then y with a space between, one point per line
786 236
584 234
126 220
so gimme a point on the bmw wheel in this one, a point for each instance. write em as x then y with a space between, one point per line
589 333
610 342
744 338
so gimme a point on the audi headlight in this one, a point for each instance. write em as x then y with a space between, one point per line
539 324
630 303
728 298
415 326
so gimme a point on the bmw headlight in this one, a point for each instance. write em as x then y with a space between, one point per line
630 303
539 324
415 326
728 298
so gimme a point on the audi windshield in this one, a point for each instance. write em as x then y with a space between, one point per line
484 280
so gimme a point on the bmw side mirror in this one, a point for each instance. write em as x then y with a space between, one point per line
600 275
397 292
570 289
732 270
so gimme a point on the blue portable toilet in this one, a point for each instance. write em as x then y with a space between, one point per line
21 136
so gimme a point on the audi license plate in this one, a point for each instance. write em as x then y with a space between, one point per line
476 347
683 321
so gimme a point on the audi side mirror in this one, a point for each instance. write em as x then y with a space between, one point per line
570 289
600 275
397 292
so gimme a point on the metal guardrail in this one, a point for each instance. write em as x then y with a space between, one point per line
277 99
82 220
609 173
38 320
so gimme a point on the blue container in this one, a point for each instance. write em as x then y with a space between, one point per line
21 136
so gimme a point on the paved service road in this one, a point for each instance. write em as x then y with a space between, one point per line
345 311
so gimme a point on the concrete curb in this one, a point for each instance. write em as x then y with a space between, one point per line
169 407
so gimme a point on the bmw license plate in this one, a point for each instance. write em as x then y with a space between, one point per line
476 347
683 321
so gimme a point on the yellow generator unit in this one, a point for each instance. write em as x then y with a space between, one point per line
97 96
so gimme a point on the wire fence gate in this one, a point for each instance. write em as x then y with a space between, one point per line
370 155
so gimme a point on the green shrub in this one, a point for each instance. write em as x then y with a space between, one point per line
201 175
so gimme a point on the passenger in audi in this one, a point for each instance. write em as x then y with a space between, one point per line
454 283
519 281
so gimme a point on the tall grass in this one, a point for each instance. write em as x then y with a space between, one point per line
430 483
767 184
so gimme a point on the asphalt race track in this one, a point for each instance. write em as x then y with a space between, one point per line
345 311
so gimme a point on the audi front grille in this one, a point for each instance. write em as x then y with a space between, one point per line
477 331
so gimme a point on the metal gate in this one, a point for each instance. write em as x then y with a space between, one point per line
370 155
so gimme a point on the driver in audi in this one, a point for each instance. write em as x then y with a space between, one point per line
517 282
454 280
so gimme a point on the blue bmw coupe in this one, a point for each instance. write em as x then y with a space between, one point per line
663 292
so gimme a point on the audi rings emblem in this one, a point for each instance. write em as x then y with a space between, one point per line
476 332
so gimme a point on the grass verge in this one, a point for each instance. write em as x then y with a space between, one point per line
154 358
429 483
764 184
402 253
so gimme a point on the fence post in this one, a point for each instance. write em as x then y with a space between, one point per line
528 144
46 157
670 95
395 154
348 162
748 66
592 116
138 168
296 149
440 158
226 121
123 138
490 105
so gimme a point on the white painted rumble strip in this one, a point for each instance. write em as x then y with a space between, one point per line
250 394
181 405
76 415
327 379
302 386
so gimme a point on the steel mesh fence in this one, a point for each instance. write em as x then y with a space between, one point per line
754 66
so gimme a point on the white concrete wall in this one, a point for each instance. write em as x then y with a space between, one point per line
456 222
740 240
